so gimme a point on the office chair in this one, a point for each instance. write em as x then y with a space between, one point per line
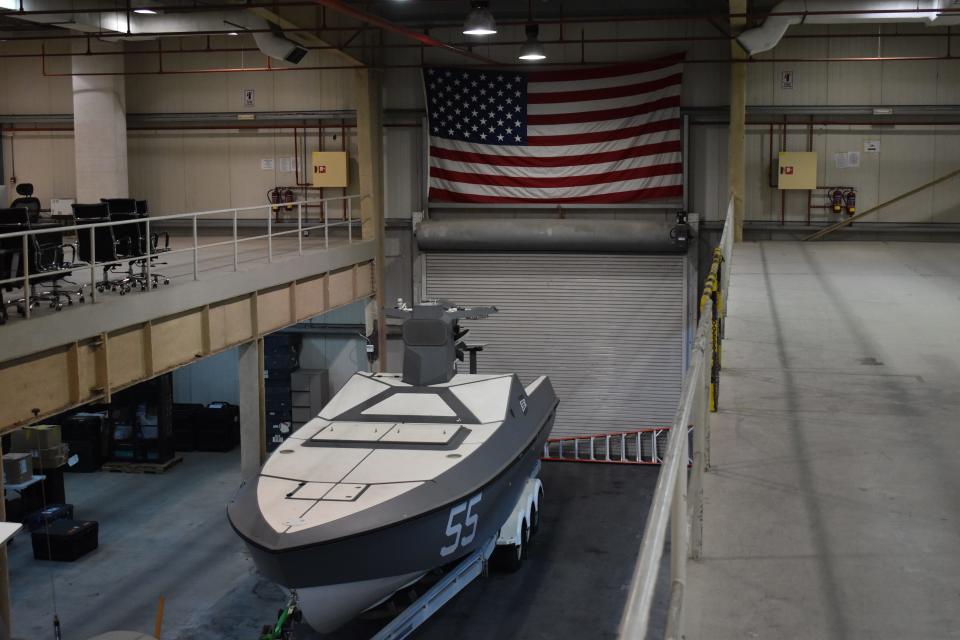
10 250
104 248
155 237
43 260
133 239
27 201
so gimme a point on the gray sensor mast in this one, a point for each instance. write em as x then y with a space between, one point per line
431 340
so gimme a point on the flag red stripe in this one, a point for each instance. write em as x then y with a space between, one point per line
604 136
567 75
557 161
621 91
604 114
556 183
443 195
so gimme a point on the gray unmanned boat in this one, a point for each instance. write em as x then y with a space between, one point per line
397 476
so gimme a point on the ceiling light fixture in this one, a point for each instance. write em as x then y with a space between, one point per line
479 21
532 49
145 11
233 33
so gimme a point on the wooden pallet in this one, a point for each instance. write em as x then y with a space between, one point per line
141 467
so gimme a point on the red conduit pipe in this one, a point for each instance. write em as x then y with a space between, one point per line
369 18
499 65
408 45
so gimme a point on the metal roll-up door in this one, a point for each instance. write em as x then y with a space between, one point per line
608 329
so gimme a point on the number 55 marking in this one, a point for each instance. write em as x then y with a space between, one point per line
455 529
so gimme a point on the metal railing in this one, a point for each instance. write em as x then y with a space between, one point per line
151 224
678 499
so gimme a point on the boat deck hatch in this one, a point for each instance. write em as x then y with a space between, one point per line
422 434
342 432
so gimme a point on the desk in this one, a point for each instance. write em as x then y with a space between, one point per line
8 530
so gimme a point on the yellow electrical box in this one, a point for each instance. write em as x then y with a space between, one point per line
798 170
330 168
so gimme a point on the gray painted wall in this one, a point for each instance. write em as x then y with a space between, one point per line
209 380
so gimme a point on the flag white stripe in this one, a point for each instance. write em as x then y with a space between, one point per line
529 193
604 83
608 103
603 125
569 151
557 172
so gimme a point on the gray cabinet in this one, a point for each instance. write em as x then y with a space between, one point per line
310 391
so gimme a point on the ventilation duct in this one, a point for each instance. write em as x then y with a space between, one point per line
276 45
769 34
138 26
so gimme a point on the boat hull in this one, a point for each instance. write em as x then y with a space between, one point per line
339 576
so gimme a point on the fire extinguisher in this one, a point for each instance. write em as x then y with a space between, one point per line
288 198
837 199
273 196
850 197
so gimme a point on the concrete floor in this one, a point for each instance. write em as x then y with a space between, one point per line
168 535
177 265
833 507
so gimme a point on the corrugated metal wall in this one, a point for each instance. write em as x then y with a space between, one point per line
607 329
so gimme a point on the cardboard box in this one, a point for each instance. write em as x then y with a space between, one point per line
330 169
50 458
16 468
35 437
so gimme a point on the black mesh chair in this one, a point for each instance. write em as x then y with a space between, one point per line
27 201
11 250
103 248
155 237
46 264
135 242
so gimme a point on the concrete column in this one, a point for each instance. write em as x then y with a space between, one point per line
253 433
738 120
99 125
370 159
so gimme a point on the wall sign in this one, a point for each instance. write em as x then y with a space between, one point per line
249 97
847 159
786 79
871 146
266 164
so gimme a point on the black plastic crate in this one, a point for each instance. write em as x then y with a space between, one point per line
213 440
44 517
65 540
89 456
185 439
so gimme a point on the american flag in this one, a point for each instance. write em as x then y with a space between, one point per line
602 135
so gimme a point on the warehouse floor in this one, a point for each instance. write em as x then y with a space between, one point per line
832 509
168 535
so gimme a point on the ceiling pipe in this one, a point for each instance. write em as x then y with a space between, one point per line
793 12
413 45
953 13
120 25
369 18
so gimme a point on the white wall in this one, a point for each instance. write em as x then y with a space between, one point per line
199 170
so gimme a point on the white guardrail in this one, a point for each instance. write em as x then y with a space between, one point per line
152 223
675 501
